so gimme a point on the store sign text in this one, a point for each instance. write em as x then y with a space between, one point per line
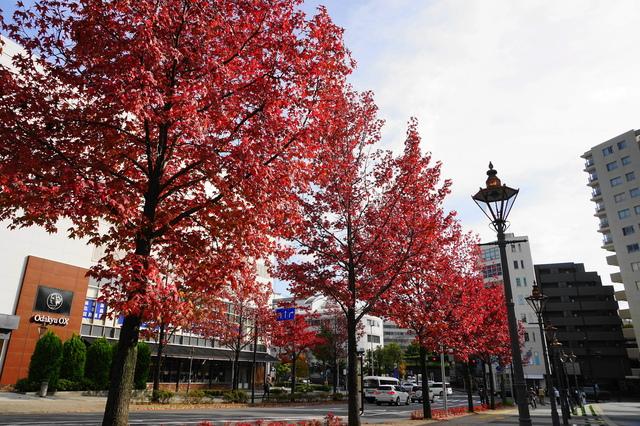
46 319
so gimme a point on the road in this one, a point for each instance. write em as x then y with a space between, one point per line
373 414
620 413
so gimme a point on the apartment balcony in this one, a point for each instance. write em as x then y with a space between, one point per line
596 194
616 277
600 210
589 164
621 295
612 260
604 225
607 242
593 179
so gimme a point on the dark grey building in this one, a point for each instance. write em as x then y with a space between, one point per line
585 314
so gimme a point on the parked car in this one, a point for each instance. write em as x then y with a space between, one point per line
416 394
391 395
437 388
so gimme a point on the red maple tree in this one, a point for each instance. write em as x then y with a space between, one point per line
429 302
293 338
367 216
165 131
235 314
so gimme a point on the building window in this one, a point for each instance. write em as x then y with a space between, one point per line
521 297
518 283
626 160
515 264
513 248
616 181
607 151
612 165
619 197
526 337
622 144
622 214
628 230
630 176
522 264
491 254
633 248
523 318
373 339
637 210
524 281
635 266
491 271
634 192
638 285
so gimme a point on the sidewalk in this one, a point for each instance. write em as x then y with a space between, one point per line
62 402
539 416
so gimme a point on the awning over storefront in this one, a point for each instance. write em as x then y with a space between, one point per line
198 352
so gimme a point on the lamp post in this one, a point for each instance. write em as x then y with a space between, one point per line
538 301
572 358
361 381
556 345
496 201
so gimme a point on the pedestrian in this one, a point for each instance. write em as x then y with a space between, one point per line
541 395
482 395
532 398
556 394
267 389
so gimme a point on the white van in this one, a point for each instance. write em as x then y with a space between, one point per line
371 383
436 387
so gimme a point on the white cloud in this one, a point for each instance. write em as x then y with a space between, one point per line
529 85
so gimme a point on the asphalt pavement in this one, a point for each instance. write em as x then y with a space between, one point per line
372 414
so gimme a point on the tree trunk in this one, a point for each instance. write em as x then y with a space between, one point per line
158 369
336 371
236 369
426 401
294 359
469 388
352 384
484 383
492 387
116 412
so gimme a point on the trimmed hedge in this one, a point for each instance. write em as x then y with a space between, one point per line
46 360
74 356
143 362
99 356
235 396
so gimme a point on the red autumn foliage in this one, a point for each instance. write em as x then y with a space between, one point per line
163 131
294 337
367 217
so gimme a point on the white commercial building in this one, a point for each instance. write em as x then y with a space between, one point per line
522 276
614 176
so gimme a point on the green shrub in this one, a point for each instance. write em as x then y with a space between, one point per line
213 393
24 386
74 356
303 388
337 396
322 388
68 385
195 396
277 391
162 396
46 360
235 396
143 361
98 364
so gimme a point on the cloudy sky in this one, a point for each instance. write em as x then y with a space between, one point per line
529 85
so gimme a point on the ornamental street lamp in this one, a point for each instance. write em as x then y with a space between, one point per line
556 345
572 357
496 201
538 301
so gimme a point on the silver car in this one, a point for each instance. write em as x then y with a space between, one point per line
391 395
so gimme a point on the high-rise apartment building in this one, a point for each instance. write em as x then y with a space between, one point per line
522 277
614 176
585 314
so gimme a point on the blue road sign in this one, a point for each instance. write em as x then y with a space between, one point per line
285 314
